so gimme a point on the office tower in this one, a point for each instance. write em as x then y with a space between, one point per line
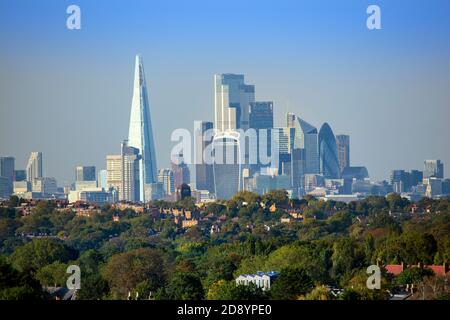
45 186
34 166
261 118
20 175
304 152
306 138
5 188
261 115
400 181
204 177
122 173
227 165
114 172
181 173
329 161
416 178
284 145
155 191
165 176
231 100
140 134
130 173
85 173
102 179
433 168
7 175
446 187
433 187
7 167
343 145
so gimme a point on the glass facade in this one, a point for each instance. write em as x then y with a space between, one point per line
140 134
329 161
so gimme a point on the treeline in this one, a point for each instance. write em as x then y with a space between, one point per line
148 258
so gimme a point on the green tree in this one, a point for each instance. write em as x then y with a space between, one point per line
184 287
124 271
53 275
40 252
413 275
320 292
16 285
291 284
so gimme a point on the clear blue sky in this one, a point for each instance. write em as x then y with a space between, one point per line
68 93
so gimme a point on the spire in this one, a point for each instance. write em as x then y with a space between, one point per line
140 133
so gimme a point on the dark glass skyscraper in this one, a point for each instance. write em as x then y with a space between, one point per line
328 153
261 118
204 177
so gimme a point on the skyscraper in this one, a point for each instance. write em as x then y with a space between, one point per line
114 172
261 115
285 146
181 173
343 145
232 99
304 151
165 176
433 168
102 178
227 165
204 177
7 167
122 173
85 173
400 181
140 133
306 138
34 166
6 176
130 172
260 119
329 161
20 175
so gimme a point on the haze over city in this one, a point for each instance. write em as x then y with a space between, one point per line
68 93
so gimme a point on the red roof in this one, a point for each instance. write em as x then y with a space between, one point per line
394 269
438 270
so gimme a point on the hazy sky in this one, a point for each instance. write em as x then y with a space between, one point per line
67 93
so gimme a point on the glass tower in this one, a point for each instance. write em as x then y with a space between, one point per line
328 151
140 133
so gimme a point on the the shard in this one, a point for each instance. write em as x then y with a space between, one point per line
140 133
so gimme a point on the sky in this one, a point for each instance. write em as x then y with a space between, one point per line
68 93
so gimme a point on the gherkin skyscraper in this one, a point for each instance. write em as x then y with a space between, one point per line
140 134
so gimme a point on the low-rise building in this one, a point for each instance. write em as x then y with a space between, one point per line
262 280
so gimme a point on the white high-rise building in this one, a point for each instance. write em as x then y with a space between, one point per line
140 135
34 166
232 101
122 173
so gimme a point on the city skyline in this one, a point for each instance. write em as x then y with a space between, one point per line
140 103
399 72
